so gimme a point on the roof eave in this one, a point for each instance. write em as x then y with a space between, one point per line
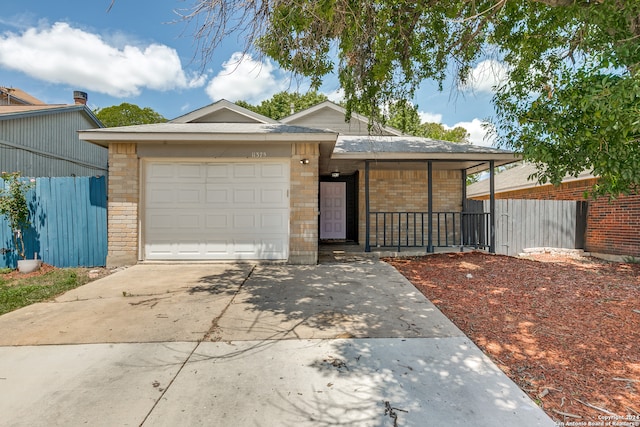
510 157
105 138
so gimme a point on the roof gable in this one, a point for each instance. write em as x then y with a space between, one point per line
223 111
332 116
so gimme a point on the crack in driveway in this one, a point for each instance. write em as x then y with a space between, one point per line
215 322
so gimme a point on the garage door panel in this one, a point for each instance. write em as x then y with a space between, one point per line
274 170
274 197
246 196
217 171
245 171
274 222
217 221
218 195
217 211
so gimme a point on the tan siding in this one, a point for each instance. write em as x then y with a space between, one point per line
327 118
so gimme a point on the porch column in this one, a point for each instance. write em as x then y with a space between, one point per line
492 208
464 209
430 206
367 221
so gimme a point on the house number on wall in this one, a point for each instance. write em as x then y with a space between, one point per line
258 154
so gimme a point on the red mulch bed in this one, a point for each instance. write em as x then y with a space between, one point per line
566 330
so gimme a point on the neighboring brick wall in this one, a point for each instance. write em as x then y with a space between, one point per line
612 227
122 222
303 237
407 191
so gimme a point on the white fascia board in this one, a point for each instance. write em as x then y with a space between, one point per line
104 138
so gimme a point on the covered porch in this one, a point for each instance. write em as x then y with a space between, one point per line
411 193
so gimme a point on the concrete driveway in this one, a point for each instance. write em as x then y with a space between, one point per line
249 345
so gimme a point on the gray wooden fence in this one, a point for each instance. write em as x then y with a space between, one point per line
69 223
524 224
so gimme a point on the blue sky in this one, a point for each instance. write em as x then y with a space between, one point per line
140 52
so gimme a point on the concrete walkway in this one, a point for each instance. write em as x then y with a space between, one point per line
249 345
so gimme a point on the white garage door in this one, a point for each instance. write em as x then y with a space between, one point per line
216 211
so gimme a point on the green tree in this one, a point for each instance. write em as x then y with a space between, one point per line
14 206
404 116
127 114
282 104
572 99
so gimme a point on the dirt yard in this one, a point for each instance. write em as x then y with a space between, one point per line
566 330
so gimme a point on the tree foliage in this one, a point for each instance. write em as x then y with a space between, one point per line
14 206
284 104
573 93
404 116
127 114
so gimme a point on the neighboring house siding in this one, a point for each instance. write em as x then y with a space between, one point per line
406 191
613 227
51 146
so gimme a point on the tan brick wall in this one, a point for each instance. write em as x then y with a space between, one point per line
303 237
122 219
407 191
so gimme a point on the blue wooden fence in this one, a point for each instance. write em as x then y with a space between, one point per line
69 223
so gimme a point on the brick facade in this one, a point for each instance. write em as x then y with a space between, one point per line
391 190
303 237
407 191
122 221
124 193
613 227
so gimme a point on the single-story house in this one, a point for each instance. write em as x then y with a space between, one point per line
225 183
41 140
612 226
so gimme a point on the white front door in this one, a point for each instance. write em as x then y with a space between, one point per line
333 210
216 210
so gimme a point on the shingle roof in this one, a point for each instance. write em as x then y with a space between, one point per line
406 144
21 96
207 133
515 178
13 112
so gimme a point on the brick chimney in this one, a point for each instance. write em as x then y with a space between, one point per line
80 97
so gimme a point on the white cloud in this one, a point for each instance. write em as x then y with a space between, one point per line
335 96
62 54
426 117
478 133
487 75
243 78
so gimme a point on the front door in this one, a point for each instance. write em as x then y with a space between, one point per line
333 211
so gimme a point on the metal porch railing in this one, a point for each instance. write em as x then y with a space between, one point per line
411 230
